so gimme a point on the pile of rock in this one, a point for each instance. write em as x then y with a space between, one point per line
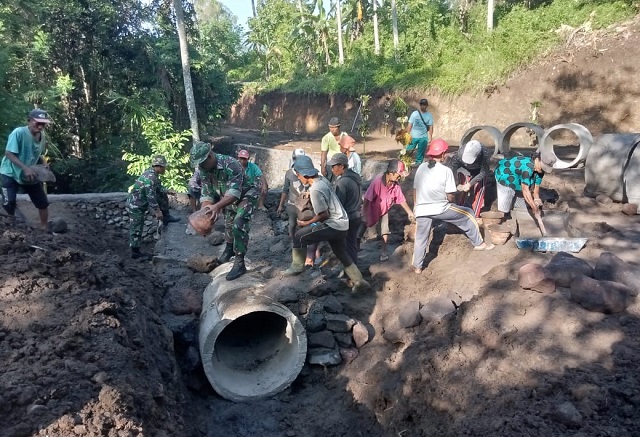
332 337
610 287
114 214
413 314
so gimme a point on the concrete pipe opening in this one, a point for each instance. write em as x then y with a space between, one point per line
507 135
563 148
493 132
251 346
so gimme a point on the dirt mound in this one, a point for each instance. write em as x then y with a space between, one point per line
82 349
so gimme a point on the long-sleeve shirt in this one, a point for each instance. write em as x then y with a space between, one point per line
227 178
479 170
144 192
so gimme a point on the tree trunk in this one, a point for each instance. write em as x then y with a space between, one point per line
339 21
299 5
490 15
253 8
394 16
186 69
376 38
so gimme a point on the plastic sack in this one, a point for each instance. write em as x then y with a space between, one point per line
43 174
202 221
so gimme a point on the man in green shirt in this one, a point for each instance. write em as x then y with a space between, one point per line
25 148
330 145
255 176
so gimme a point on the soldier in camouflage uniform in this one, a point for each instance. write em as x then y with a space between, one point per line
224 176
147 193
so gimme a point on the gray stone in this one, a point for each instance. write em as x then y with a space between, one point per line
339 322
277 247
315 322
100 377
324 357
394 333
331 304
409 315
321 287
58 226
349 354
202 263
361 334
535 277
611 268
630 208
601 296
567 414
429 316
565 267
321 339
344 339
36 409
603 199
284 295
216 238
183 301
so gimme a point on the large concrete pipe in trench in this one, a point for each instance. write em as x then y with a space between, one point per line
613 167
505 140
251 346
585 141
493 132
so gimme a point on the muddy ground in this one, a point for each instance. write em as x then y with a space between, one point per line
93 343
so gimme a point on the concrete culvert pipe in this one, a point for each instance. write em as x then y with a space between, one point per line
585 141
493 132
251 346
505 140
613 167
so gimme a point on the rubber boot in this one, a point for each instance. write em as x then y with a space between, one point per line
238 268
227 254
298 257
359 284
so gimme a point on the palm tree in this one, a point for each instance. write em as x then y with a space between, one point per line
186 69
376 38
339 22
253 8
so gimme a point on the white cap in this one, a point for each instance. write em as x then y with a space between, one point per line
471 151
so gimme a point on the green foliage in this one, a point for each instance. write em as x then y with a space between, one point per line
164 140
434 51
264 121
365 126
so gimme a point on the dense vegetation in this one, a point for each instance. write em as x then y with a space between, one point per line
442 44
110 72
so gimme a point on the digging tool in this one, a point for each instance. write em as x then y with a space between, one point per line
538 216
159 230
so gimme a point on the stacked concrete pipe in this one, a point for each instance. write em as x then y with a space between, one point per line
251 346
493 132
505 139
585 141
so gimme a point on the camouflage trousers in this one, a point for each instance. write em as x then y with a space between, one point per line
136 225
237 223
137 216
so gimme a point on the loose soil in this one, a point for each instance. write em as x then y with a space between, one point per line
93 343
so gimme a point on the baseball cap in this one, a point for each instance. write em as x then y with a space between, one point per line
243 154
424 102
334 122
471 151
338 158
304 166
397 166
39 116
547 159
159 160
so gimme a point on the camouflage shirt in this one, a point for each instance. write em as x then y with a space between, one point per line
195 183
144 193
227 178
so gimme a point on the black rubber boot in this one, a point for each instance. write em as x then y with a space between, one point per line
227 254
166 219
136 254
238 268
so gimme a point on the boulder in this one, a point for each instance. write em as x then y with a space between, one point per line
315 322
567 414
394 333
630 209
360 334
565 267
429 316
349 354
58 226
603 199
611 268
322 287
600 296
216 238
535 277
331 304
339 322
183 301
321 339
202 263
409 315
324 357
344 339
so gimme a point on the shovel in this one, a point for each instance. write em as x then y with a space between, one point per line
538 216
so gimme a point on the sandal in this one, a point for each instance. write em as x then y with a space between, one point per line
384 256
485 247
417 271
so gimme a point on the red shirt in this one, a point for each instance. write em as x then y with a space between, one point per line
380 198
